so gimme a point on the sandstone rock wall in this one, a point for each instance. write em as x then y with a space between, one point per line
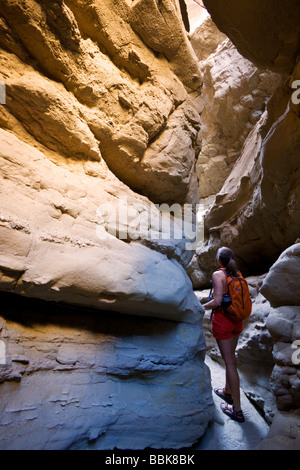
101 81
99 113
105 104
51 247
235 93
93 114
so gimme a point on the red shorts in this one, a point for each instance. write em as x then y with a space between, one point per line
223 327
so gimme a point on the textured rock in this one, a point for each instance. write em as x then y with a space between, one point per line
74 380
235 93
229 162
99 106
102 81
284 433
50 249
102 106
283 325
280 287
255 213
50 245
281 284
206 38
75 93
160 27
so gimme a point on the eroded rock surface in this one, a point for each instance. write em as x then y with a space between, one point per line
94 113
235 93
99 113
283 323
101 81
103 105
281 288
255 212
76 380
51 244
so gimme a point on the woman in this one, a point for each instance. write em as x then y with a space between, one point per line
226 332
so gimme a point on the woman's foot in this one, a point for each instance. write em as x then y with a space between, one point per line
232 413
225 396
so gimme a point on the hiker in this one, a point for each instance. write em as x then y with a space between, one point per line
226 329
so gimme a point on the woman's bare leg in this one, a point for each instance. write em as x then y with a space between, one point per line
227 348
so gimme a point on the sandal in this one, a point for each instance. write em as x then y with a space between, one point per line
235 415
225 396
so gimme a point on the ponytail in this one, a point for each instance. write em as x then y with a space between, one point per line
226 256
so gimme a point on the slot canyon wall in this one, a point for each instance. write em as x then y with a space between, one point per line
101 115
109 103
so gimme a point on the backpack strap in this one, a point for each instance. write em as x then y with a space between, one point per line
234 276
230 277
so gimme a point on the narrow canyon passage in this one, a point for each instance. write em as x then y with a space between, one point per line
225 434
255 364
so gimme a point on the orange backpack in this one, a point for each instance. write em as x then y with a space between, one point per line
239 306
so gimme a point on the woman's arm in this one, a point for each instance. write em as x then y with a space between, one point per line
218 279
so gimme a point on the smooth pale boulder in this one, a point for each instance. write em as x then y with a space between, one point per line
52 248
281 286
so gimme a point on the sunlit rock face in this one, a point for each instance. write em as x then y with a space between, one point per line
99 111
93 114
234 96
108 106
235 93
87 64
